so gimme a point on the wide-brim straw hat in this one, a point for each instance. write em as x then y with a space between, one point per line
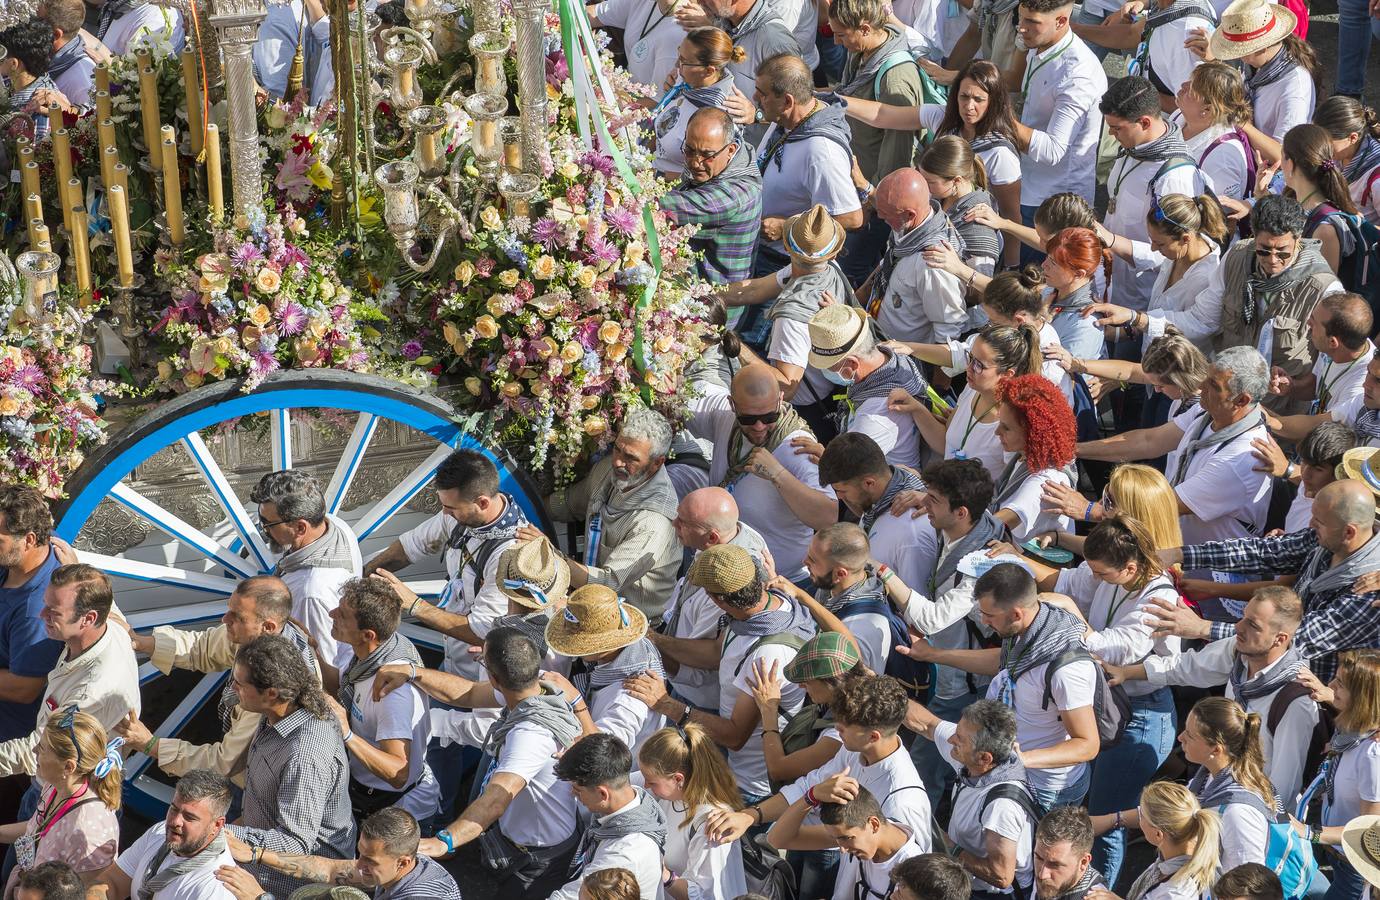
1250 25
813 236
533 574
1361 464
595 621
835 331
1361 844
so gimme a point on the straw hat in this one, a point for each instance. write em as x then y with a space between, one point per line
722 569
813 236
1360 464
1248 26
595 621
533 574
1361 843
835 331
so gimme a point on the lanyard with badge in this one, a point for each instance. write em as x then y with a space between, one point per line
1320 403
1008 690
974 417
641 48
1116 189
1030 76
1115 606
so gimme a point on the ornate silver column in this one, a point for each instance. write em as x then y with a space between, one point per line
531 64
237 28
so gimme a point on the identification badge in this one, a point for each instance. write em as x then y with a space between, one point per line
640 50
1111 206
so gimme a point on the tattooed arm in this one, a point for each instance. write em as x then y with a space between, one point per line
316 868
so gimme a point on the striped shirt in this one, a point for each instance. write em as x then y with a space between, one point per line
729 213
20 99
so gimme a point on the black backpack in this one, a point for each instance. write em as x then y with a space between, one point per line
1020 794
765 870
915 676
1359 270
1111 705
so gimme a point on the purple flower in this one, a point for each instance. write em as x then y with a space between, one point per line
412 349
598 162
263 363
29 377
292 318
601 251
544 232
247 254
623 220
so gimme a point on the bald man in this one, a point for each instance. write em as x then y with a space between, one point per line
777 490
911 301
705 518
1339 546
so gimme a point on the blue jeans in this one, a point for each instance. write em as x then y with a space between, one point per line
1120 771
1083 17
1071 794
1346 882
832 57
815 872
450 764
1029 255
934 771
1355 31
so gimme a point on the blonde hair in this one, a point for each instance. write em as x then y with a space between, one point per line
691 753
1359 670
1144 494
1173 809
1222 89
1176 359
91 740
612 884
1237 732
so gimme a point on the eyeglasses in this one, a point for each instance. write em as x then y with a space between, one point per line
705 155
65 721
770 418
977 365
264 526
1108 504
687 64
1263 252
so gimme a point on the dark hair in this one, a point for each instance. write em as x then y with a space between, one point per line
1017 347
1344 116
1130 98
273 661
965 483
1064 210
1349 319
1017 291
395 829
271 597
294 493
854 813
1251 880
94 593
750 594
934 876
204 784
54 880
1066 823
31 42
469 472
1120 541
787 74
24 510
730 343
875 703
852 455
999 118
375 606
1326 443
596 760
1309 148
512 659
1280 215
1008 585
1307 58
1045 6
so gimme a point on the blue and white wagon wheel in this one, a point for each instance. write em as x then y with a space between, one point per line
170 571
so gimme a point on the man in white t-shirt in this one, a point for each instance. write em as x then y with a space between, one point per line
1339 329
763 625
176 859
840 562
651 36
386 737
1210 464
1361 413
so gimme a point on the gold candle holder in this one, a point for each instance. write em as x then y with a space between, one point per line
110 158
148 103
62 165
81 255
38 236
192 87
172 187
103 109
28 171
510 130
33 207
101 77
119 225
214 188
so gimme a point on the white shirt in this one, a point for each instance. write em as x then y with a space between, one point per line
895 432
910 546
735 669
1284 749
803 173
801 17
652 38
1003 817
1227 496
670 134
1002 163
965 437
1037 728
1300 512
892 779
543 812
400 715
922 305
1358 780
1225 162
638 853
871 880
945 620
790 343
1171 61
1028 505
145 26
1049 337
1245 832
1343 381
1120 634
621 714
1347 413
873 635
1187 304
711 871
316 591
198 884
1365 192
1062 88
1284 104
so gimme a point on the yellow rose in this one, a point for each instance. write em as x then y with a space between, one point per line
546 347
223 346
494 305
165 371
571 352
261 315
634 254
268 280
512 389
547 304
326 289
490 217
540 389
588 402
193 379
215 281
250 337
486 327
464 272
618 351
595 427
544 269
570 171
609 332
450 334
8 406
474 385
585 277
663 343
509 278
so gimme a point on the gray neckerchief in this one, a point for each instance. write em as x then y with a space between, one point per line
1166 146
532 624
1198 443
1319 577
935 230
1279 65
978 239
714 95
869 588
1015 475
787 618
1181 9
1267 682
985 530
504 528
762 12
860 71
657 494
827 121
634 659
1367 157
901 480
1225 789
547 709
395 648
1308 263
155 880
1091 879
1077 299
1157 874
1341 742
897 372
333 550
644 818
799 299
428 878
1010 770
1052 632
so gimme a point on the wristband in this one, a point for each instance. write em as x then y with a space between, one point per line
1119 824
1289 472
1087 513
256 855
412 607
884 572
412 667
685 717
148 748
971 277
757 813
771 731
345 738
444 837
810 797
669 878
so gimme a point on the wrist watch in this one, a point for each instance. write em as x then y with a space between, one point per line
265 896
757 117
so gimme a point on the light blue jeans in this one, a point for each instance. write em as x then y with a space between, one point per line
1355 31
1069 795
1122 770
934 771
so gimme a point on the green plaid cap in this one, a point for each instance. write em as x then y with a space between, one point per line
826 655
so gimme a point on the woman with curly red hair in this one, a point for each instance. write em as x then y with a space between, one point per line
1035 423
1072 258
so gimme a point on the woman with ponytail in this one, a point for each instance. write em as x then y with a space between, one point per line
957 179
1213 111
75 822
1187 837
995 354
1315 179
1037 433
1072 257
701 78
1355 133
686 772
1225 740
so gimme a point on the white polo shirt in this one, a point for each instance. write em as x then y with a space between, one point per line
652 38
402 716
1342 381
1072 687
1227 496
1062 88
815 170
922 305
543 813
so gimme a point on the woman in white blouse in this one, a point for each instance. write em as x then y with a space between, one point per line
1225 740
701 78
1348 784
686 772
1187 837
1037 431
1355 133
1213 110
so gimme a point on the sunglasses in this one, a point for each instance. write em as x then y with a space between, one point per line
66 721
705 155
770 418
1263 252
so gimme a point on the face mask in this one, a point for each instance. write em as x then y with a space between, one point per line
836 378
